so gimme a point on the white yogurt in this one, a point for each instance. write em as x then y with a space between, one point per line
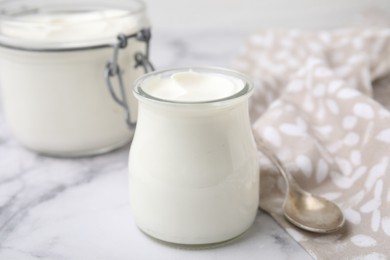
193 87
71 28
194 175
57 102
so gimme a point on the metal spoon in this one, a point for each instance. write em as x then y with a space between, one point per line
303 209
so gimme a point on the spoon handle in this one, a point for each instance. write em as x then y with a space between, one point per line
278 164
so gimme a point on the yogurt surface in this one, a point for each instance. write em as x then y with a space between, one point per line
192 86
60 27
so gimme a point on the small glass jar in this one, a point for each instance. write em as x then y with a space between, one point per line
194 173
54 57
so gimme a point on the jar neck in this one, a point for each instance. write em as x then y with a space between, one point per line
195 110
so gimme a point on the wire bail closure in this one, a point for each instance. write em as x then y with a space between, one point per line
113 69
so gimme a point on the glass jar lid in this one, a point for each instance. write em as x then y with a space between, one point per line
47 25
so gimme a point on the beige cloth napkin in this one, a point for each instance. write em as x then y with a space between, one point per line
314 106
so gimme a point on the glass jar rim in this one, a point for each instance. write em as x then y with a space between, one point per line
15 11
246 91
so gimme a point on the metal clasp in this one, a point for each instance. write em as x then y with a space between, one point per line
113 69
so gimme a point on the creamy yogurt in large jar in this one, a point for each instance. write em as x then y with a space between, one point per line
194 174
53 56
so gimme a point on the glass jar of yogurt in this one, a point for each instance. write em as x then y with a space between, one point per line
194 173
54 59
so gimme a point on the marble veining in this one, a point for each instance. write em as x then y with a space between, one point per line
52 208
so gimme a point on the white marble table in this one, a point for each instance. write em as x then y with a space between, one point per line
54 208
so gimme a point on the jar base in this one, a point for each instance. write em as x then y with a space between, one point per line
81 153
197 246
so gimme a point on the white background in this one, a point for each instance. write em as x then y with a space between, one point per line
249 15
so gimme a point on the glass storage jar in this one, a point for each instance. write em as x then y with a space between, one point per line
54 57
194 173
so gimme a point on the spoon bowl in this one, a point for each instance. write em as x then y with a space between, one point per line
312 213
303 209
